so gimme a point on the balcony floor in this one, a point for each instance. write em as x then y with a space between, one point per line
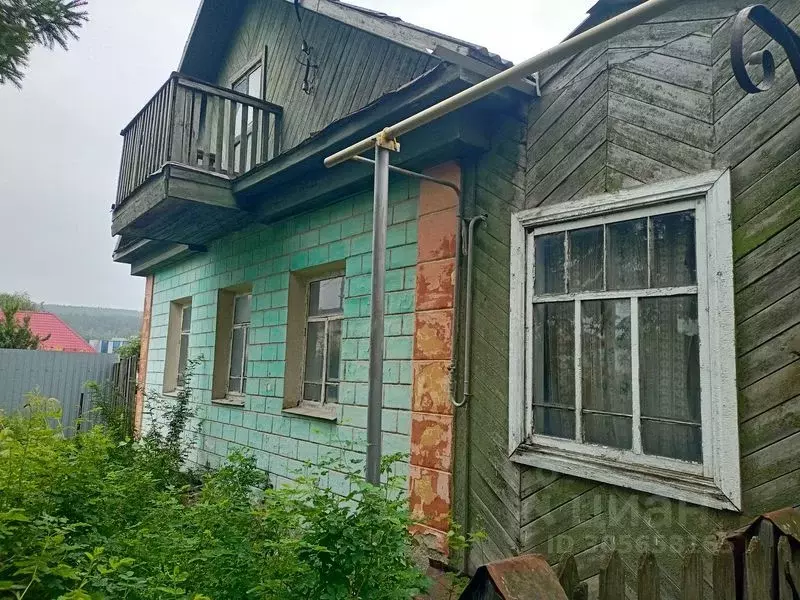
179 204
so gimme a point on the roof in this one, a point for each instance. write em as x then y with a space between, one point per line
62 337
602 11
216 20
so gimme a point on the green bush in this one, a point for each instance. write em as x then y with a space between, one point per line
94 516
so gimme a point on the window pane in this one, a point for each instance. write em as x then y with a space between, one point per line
241 309
315 347
332 393
669 359
674 254
234 385
586 259
325 296
606 355
626 260
183 357
186 319
237 351
334 344
684 442
312 392
606 371
254 82
554 368
608 430
555 422
549 278
241 85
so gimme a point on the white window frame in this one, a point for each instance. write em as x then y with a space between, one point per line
320 319
234 327
182 334
716 482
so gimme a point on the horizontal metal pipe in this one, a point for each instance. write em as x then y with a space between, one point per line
570 47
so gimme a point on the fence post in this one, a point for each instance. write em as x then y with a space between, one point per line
755 571
649 580
612 578
568 576
724 573
692 574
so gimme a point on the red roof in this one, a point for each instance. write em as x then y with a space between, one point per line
62 337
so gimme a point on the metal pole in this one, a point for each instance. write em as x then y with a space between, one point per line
570 47
375 398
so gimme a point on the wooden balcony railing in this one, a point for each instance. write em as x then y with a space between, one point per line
198 124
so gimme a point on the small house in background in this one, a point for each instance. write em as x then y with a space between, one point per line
107 346
62 338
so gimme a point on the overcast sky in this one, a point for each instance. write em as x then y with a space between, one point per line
60 153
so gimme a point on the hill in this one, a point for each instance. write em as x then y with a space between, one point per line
94 323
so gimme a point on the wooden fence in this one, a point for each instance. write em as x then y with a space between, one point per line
124 386
764 566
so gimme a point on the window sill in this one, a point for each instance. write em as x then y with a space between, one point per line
691 488
237 401
326 412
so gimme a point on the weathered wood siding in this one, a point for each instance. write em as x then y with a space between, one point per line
654 103
488 486
355 67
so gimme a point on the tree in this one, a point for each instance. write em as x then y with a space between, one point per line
22 298
16 335
27 23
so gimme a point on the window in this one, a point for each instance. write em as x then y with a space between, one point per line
178 335
229 382
183 351
315 321
237 380
250 83
625 369
323 341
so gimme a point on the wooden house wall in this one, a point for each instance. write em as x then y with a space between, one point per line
654 103
355 67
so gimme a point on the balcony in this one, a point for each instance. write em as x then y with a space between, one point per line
180 154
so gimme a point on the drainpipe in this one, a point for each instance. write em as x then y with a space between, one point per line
473 223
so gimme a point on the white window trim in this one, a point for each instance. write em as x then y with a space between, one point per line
715 483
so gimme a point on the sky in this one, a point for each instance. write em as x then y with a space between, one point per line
60 154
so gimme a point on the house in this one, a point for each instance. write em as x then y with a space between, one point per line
634 335
107 346
56 335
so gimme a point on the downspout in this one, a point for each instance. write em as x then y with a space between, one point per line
465 393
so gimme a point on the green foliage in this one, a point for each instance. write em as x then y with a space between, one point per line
110 406
97 323
15 335
131 348
23 299
28 23
94 516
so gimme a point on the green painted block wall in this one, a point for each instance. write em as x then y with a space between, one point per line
264 256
